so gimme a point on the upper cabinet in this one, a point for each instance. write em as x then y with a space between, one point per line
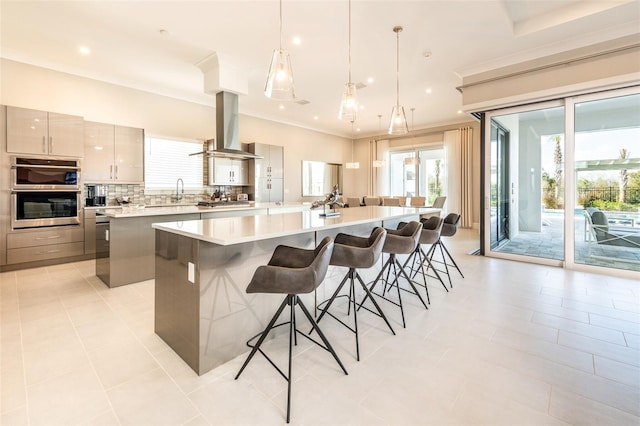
44 133
229 171
272 163
113 154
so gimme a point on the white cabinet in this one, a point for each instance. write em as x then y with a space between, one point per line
113 154
229 171
267 173
44 133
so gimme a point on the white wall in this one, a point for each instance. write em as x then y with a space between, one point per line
33 87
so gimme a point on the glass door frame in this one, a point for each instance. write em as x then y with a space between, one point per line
569 178
486 182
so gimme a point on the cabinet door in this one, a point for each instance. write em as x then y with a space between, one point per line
276 161
66 135
97 166
27 131
222 168
240 172
129 155
276 190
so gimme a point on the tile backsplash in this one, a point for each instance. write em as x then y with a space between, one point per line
138 195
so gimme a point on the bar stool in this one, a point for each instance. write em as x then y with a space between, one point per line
355 252
449 229
430 234
291 271
399 241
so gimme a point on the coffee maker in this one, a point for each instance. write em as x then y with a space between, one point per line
96 195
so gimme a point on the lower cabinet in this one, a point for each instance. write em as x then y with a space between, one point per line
45 245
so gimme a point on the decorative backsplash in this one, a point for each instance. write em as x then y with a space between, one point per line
138 196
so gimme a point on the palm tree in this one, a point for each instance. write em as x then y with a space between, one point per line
557 159
624 176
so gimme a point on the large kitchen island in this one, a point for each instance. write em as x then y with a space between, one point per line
202 268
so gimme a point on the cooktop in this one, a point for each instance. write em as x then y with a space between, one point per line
223 203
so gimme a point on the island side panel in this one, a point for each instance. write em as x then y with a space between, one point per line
228 315
176 298
131 247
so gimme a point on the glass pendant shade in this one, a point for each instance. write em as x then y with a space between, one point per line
349 104
398 124
378 163
353 165
280 78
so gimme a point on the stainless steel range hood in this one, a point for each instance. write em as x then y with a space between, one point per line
227 142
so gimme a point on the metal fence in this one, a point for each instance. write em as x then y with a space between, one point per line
609 193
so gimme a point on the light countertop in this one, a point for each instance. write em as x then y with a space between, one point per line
236 230
162 210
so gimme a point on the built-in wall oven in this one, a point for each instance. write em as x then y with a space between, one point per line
45 192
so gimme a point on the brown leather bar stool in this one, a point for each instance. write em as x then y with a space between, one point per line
430 234
399 241
355 253
291 271
449 229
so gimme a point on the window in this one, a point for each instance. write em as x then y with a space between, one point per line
419 172
166 161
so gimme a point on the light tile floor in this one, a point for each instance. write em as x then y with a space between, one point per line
512 343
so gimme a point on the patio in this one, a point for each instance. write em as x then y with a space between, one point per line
550 244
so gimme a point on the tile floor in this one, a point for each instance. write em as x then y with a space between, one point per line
512 343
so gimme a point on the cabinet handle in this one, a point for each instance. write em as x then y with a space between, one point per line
53 237
116 167
111 171
44 144
48 251
51 144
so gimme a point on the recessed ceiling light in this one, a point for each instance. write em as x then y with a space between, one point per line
459 111
361 106
428 91
315 117
281 106
370 80
84 50
358 129
297 41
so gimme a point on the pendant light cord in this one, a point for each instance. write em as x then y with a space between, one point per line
280 25
350 44
398 66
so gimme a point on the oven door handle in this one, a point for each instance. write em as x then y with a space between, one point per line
45 188
42 166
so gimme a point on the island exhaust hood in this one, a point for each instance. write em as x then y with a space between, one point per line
227 142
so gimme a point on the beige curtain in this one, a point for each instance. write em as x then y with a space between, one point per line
466 179
458 153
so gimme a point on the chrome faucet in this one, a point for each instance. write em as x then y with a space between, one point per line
179 194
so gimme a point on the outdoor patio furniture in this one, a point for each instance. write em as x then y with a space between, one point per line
603 234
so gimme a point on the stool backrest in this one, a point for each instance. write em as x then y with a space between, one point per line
321 260
431 229
450 226
404 239
433 222
376 242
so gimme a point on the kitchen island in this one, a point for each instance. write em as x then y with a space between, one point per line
204 266
125 246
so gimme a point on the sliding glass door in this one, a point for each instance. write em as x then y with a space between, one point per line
418 172
562 182
526 215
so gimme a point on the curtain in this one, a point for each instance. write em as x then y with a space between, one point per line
466 178
458 180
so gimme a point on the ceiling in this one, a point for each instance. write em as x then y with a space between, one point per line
459 37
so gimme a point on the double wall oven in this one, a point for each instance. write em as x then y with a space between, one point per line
45 192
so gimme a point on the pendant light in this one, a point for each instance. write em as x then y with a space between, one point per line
378 163
349 103
398 123
413 160
352 164
280 78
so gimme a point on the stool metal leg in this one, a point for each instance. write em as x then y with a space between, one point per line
452 260
292 337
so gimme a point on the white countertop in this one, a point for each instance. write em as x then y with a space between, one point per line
236 230
162 210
